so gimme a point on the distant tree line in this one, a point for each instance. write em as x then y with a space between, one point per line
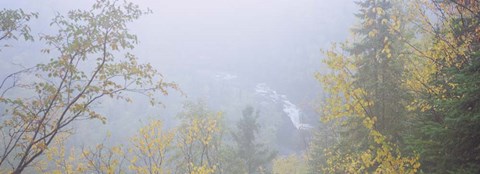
402 96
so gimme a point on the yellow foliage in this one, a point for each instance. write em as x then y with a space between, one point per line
62 161
293 164
205 169
429 57
151 145
198 141
345 101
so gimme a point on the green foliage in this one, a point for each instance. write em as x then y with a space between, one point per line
13 25
431 93
366 102
254 156
293 164
86 67
445 128
230 161
325 137
404 91
379 61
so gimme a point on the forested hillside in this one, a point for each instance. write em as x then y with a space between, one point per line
277 93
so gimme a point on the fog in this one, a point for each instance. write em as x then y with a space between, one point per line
228 54
249 86
193 42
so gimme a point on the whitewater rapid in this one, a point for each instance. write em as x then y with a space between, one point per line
290 109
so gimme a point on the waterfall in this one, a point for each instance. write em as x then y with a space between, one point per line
290 109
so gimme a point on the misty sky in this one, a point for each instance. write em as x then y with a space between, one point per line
276 42
224 34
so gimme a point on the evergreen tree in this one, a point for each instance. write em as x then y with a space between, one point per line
253 154
366 98
376 56
446 128
380 65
